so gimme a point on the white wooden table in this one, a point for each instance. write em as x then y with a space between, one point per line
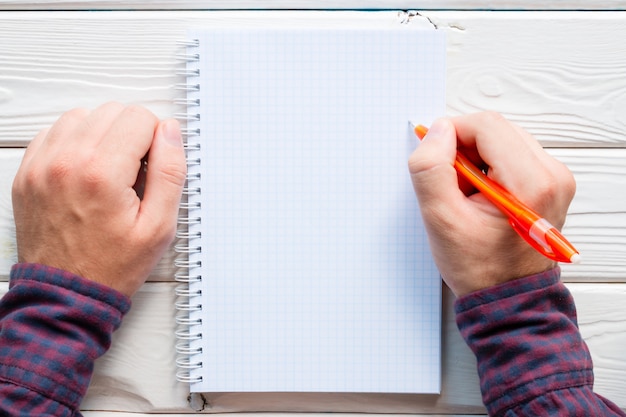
560 74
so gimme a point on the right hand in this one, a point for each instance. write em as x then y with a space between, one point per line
472 242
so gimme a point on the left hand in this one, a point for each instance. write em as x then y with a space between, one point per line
74 198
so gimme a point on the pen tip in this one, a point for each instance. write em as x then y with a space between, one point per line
575 259
411 125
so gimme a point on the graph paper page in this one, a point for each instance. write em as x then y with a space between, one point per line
316 274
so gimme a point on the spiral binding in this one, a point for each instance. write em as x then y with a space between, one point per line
189 248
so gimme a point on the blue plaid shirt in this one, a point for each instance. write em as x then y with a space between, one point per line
53 326
531 358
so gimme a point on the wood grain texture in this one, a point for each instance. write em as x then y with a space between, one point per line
602 322
312 4
567 96
596 213
132 414
560 75
52 62
522 64
596 223
149 387
137 374
84 59
9 162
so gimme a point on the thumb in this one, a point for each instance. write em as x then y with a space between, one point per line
432 167
165 178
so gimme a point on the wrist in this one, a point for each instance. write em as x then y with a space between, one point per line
512 288
47 313
476 271
61 278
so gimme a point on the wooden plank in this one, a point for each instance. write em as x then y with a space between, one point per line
137 374
56 61
596 214
601 314
518 63
596 222
123 414
311 4
547 71
9 162
602 322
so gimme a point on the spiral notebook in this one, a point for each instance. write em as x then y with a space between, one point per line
308 268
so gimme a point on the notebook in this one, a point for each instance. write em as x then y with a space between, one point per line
307 267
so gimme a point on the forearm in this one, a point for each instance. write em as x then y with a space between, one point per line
531 357
53 326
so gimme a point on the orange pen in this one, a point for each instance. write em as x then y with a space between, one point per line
533 228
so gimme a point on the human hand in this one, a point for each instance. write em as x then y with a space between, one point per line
472 242
74 200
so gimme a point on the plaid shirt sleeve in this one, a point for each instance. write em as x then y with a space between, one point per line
532 360
53 326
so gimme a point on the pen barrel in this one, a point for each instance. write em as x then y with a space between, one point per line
495 193
534 229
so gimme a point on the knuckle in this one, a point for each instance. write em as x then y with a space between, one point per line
415 164
567 185
174 173
19 186
136 112
58 171
491 117
546 190
419 161
111 106
82 171
568 182
559 187
160 233
93 178
562 179
68 121
76 114
168 231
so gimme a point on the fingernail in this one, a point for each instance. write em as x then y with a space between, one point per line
437 129
171 131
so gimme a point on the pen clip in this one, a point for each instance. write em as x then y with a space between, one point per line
539 244
544 238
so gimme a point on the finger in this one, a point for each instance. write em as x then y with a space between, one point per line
164 180
491 135
67 122
533 143
512 159
33 147
128 140
42 148
96 125
432 170
31 151
560 174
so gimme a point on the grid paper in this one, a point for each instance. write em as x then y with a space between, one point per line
316 274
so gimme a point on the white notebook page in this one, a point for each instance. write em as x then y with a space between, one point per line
316 274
